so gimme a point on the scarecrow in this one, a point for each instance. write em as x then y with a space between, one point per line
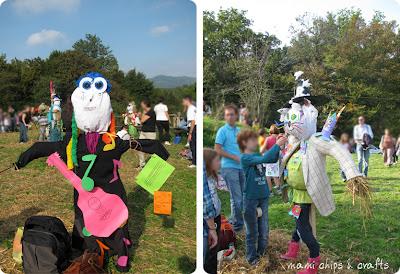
131 120
93 136
54 119
305 161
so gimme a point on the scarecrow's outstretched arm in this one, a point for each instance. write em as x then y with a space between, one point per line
38 150
335 150
144 145
356 183
151 147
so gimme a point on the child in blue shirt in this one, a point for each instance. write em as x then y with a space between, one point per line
256 192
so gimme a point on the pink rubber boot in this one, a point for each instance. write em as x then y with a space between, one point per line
293 250
312 266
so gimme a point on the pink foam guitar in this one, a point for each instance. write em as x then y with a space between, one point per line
103 212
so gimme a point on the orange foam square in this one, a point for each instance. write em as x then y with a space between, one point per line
162 202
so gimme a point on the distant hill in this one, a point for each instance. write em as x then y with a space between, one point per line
163 81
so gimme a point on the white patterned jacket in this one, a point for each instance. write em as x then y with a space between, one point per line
314 169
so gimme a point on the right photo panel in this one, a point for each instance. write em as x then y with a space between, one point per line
301 136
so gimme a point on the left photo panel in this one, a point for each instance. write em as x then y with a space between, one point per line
97 136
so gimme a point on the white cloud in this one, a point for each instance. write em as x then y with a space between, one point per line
45 37
38 6
160 30
1 2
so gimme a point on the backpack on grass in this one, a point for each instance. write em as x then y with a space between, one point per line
46 245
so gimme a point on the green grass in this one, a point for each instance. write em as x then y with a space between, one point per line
342 232
161 244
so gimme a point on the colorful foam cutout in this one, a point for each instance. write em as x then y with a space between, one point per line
102 248
122 261
295 211
162 202
85 232
110 136
103 212
70 163
87 182
117 164
154 174
74 138
110 146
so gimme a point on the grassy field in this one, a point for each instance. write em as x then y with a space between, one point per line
341 234
161 245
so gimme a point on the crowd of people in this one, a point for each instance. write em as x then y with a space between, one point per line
139 125
12 121
144 124
238 160
361 143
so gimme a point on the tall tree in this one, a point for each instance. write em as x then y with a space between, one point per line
93 47
240 65
225 36
137 85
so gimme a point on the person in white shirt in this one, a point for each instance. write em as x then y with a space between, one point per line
162 122
362 149
191 120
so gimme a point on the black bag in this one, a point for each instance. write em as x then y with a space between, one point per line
367 141
46 245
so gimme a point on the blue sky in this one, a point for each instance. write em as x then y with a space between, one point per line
153 36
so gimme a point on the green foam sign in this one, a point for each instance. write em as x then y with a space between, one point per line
154 174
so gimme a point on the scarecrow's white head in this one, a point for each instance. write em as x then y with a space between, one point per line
131 108
300 116
301 121
91 102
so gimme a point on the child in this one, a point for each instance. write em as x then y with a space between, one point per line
256 192
262 136
212 165
43 122
345 142
268 144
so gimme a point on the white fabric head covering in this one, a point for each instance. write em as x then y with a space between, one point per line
92 105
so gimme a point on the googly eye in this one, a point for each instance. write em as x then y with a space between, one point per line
294 117
85 83
100 84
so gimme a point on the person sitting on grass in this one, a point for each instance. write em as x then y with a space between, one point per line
256 192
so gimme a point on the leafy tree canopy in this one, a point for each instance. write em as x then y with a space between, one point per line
27 81
348 60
